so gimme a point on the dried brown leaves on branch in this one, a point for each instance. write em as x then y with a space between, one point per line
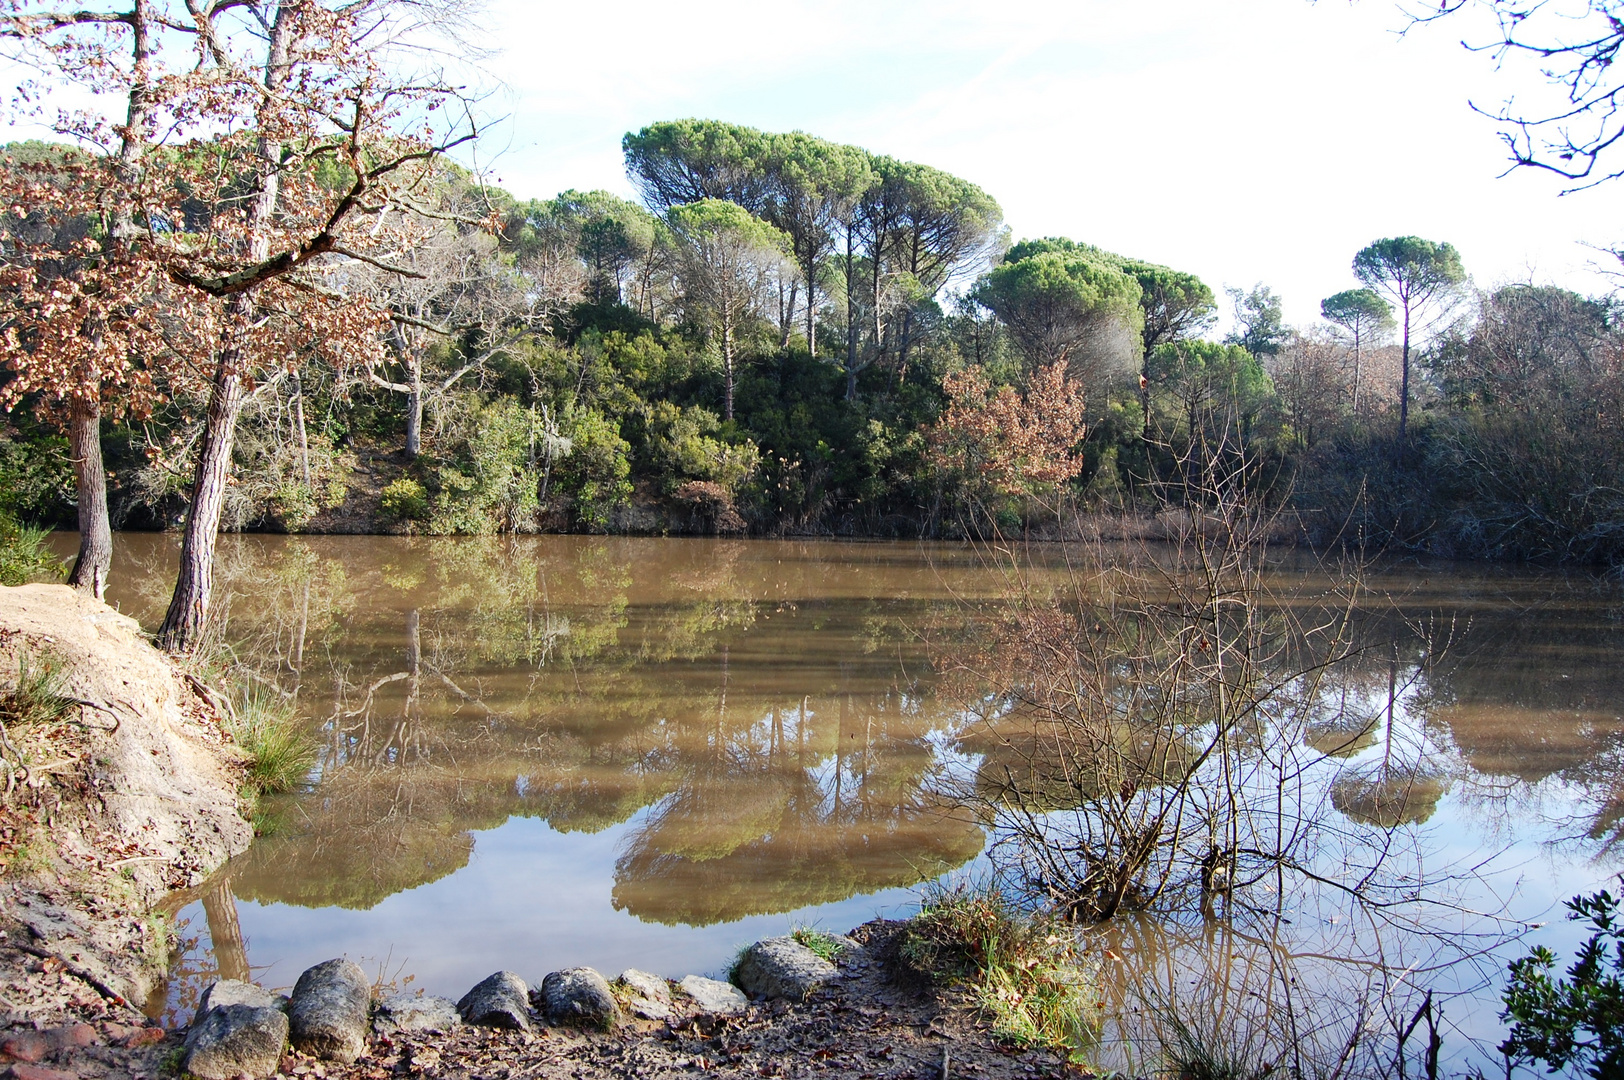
1006 440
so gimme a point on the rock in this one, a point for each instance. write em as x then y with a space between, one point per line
720 998
647 997
501 1000
329 1010
236 1040
782 967
578 996
75 1037
232 992
406 1013
40 1072
147 1036
29 1046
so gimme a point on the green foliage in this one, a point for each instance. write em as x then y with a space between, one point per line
1409 268
1358 311
1023 971
484 470
1259 321
596 474
826 946
266 726
682 446
1577 1020
1054 300
25 554
405 499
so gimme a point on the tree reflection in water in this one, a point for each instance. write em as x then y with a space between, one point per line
765 724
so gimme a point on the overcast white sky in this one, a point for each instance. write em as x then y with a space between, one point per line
1246 140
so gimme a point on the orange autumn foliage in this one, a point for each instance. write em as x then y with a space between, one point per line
1009 441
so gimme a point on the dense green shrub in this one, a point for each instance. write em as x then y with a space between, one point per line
596 473
405 499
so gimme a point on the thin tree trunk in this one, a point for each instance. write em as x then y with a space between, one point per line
414 408
1404 389
727 368
189 608
1356 373
299 434
95 558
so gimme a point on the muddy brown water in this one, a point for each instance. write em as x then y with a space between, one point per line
554 751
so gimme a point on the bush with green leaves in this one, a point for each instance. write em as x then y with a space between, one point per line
596 473
405 499
1577 1020
484 473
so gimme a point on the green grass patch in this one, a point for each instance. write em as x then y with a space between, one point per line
827 946
1023 970
40 693
25 555
266 726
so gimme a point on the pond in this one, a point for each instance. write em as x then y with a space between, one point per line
551 751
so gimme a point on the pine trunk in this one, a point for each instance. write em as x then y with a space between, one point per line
414 410
95 558
189 608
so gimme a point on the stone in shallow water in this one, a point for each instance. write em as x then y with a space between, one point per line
406 1013
646 996
720 998
500 1000
578 996
329 1010
236 1040
782 967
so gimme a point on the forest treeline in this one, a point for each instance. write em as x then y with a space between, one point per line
786 335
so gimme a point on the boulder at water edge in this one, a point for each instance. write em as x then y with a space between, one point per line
236 1040
407 1013
717 998
233 992
578 996
501 1000
782 967
647 997
329 1011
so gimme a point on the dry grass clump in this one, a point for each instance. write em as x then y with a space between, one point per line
1023 970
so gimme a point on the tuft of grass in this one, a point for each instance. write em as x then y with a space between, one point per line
1196 1055
39 696
266 726
1022 970
826 946
25 554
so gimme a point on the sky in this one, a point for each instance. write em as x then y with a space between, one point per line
1245 140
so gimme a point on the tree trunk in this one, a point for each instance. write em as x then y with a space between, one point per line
189 608
727 369
225 933
299 434
95 558
414 408
1404 388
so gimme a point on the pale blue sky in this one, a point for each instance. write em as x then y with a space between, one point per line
1245 140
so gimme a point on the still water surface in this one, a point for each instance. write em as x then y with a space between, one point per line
646 752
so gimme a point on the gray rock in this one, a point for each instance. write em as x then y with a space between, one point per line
578 996
501 1000
782 967
406 1013
329 1010
236 1040
646 996
233 992
720 998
